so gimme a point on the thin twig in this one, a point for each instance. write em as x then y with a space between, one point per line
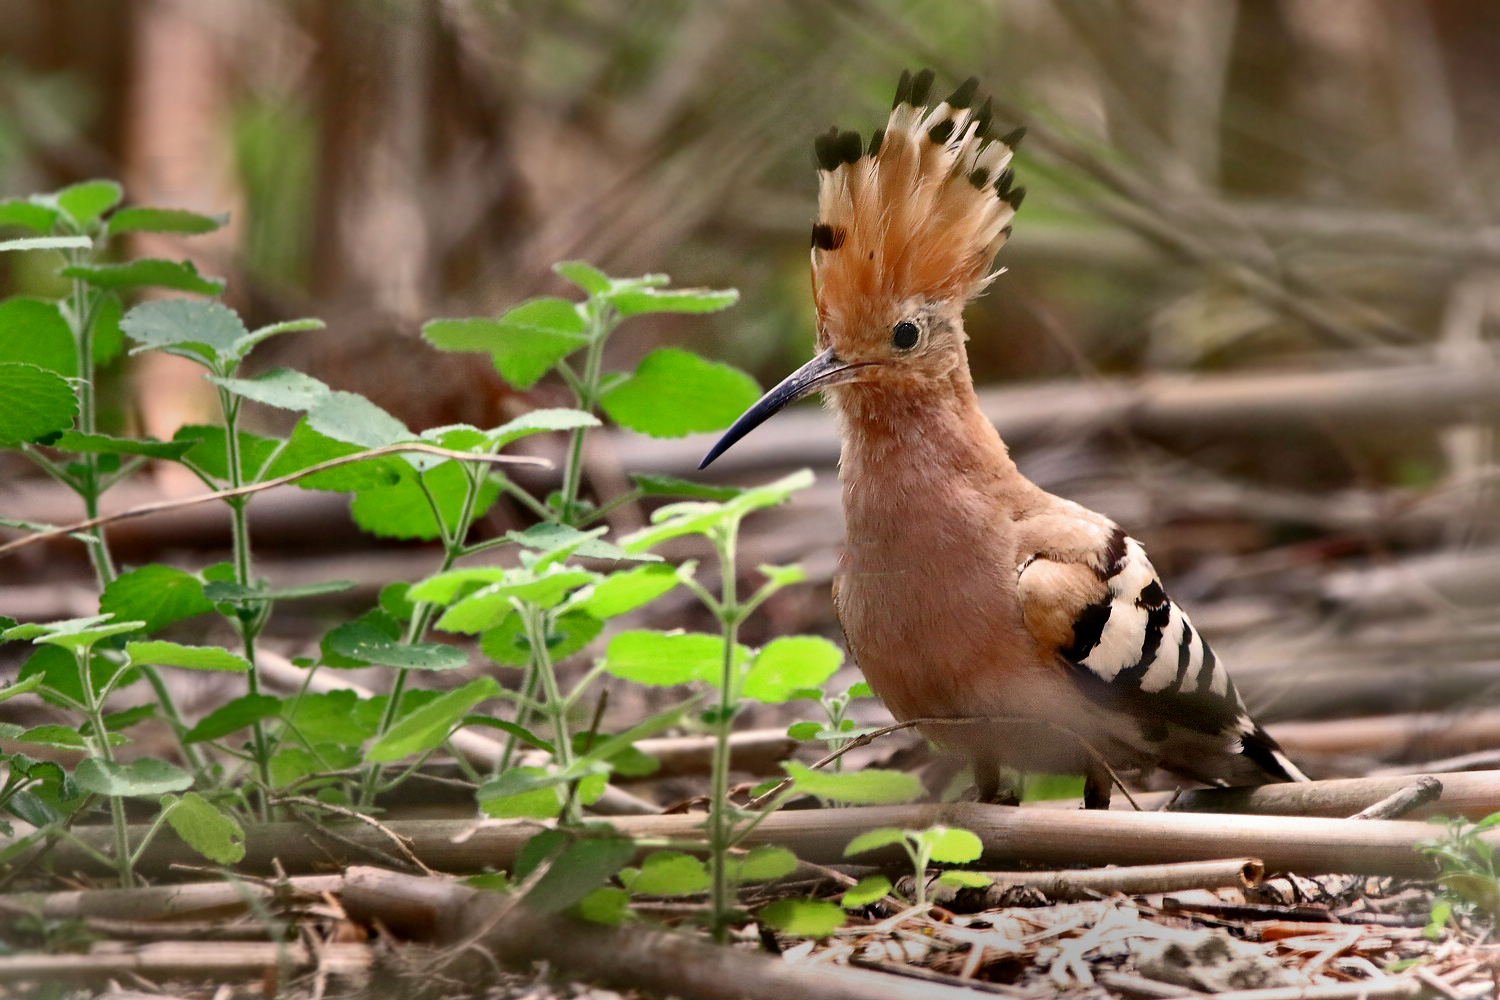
1420 792
161 506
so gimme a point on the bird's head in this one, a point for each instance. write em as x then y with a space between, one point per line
909 222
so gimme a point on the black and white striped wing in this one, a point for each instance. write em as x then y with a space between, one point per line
1133 651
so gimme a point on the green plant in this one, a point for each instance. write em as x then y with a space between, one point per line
838 729
953 845
1468 876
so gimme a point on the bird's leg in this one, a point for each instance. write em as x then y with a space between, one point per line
987 781
1096 790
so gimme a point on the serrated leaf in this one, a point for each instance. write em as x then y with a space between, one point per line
33 332
585 276
674 392
634 301
670 873
666 658
164 220
160 653
403 510
348 416
88 200
214 834
871 786
867 890
872 840
234 715
143 778
585 865
699 517
72 633
443 588
207 331
108 340
809 918
524 343
429 725
965 880
629 589
803 730
521 793
306 448
489 606
280 387
673 486
156 595
103 444
540 421
951 845
34 403
570 631
359 641
764 863
210 452
27 215
608 905
555 542
789 663
181 276
55 736
46 243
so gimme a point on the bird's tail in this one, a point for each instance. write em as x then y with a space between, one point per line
919 210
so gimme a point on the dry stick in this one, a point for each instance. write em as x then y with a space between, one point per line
192 901
402 844
1296 844
1420 792
1136 880
161 506
1470 794
634 958
219 961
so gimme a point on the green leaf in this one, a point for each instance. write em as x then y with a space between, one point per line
228 592
701 517
789 663
103 444
867 890
673 486
348 416
804 730
53 736
280 387
873 839
507 644
608 905
868 787
490 606
859 689
204 331
232 716
404 510
951 845
803 917
675 392
164 220
629 589
213 834
11 689
669 873
34 403
87 201
46 243
72 633
518 731
210 452
540 421
27 215
341 716
1039 787
443 588
143 778
306 448
430 725
965 880
171 654
679 300
556 542
764 863
156 595
585 865
357 640
586 276
179 276
34 332
524 343
521 793
666 658
108 340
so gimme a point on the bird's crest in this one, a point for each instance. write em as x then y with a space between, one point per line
917 212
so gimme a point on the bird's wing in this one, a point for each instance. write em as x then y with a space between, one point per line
1105 616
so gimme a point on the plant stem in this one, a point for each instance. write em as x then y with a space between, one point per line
94 708
81 318
553 705
601 322
719 832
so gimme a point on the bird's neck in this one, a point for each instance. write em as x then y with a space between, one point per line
914 437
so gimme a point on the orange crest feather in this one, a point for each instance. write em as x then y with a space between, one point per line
919 213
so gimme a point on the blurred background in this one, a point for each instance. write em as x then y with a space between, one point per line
1249 312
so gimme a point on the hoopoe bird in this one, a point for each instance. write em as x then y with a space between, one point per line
966 592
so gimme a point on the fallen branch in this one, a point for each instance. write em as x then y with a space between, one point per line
216 961
632 958
1137 880
191 901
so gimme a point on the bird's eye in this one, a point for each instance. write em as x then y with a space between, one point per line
905 335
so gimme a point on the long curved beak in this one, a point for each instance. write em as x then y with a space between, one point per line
824 370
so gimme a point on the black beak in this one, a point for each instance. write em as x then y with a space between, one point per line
824 370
